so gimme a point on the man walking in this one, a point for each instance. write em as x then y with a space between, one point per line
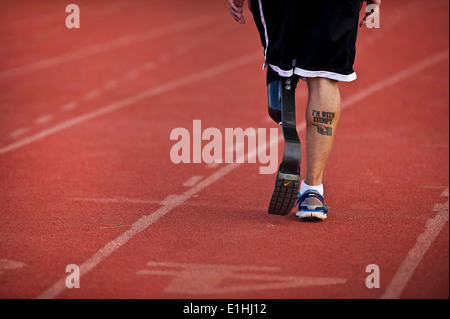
313 41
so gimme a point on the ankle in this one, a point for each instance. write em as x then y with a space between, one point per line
306 187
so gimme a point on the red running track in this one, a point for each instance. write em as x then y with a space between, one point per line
86 177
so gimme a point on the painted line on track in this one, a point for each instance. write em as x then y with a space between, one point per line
159 202
130 75
415 255
192 180
114 44
173 201
169 86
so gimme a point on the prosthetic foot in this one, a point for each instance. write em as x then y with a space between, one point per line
287 182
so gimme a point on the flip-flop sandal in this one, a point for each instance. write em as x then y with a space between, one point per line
311 206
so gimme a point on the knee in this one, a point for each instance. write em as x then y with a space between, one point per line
321 84
324 92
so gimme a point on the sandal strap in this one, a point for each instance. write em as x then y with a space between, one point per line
309 194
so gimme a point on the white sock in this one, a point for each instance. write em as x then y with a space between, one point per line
305 187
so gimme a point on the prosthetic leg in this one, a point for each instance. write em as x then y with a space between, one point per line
274 100
287 181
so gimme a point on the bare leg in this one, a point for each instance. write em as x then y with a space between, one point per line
322 117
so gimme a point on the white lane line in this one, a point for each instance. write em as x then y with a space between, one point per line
115 44
44 119
169 86
6 264
148 66
162 202
132 74
402 75
415 255
92 95
111 85
209 279
116 200
434 187
18 132
69 106
141 224
173 201
193 180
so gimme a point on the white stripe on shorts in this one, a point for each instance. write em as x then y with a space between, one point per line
303 74
263 21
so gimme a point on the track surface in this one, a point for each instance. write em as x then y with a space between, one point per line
86 177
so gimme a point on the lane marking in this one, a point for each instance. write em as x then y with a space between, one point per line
111 85
138 226
207 279
192 181
92 94
18 132
69 106
176 200
402 75
6 264
424 241
169 86
161 202
116 200
148 66
114 44
132 74
44 119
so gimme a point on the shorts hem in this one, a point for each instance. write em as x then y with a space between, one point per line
304 74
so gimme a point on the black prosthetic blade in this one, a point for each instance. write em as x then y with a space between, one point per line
287 181
274 100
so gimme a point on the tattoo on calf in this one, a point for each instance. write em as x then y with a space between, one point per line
320 119
324 130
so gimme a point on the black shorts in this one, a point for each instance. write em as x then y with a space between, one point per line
309 38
